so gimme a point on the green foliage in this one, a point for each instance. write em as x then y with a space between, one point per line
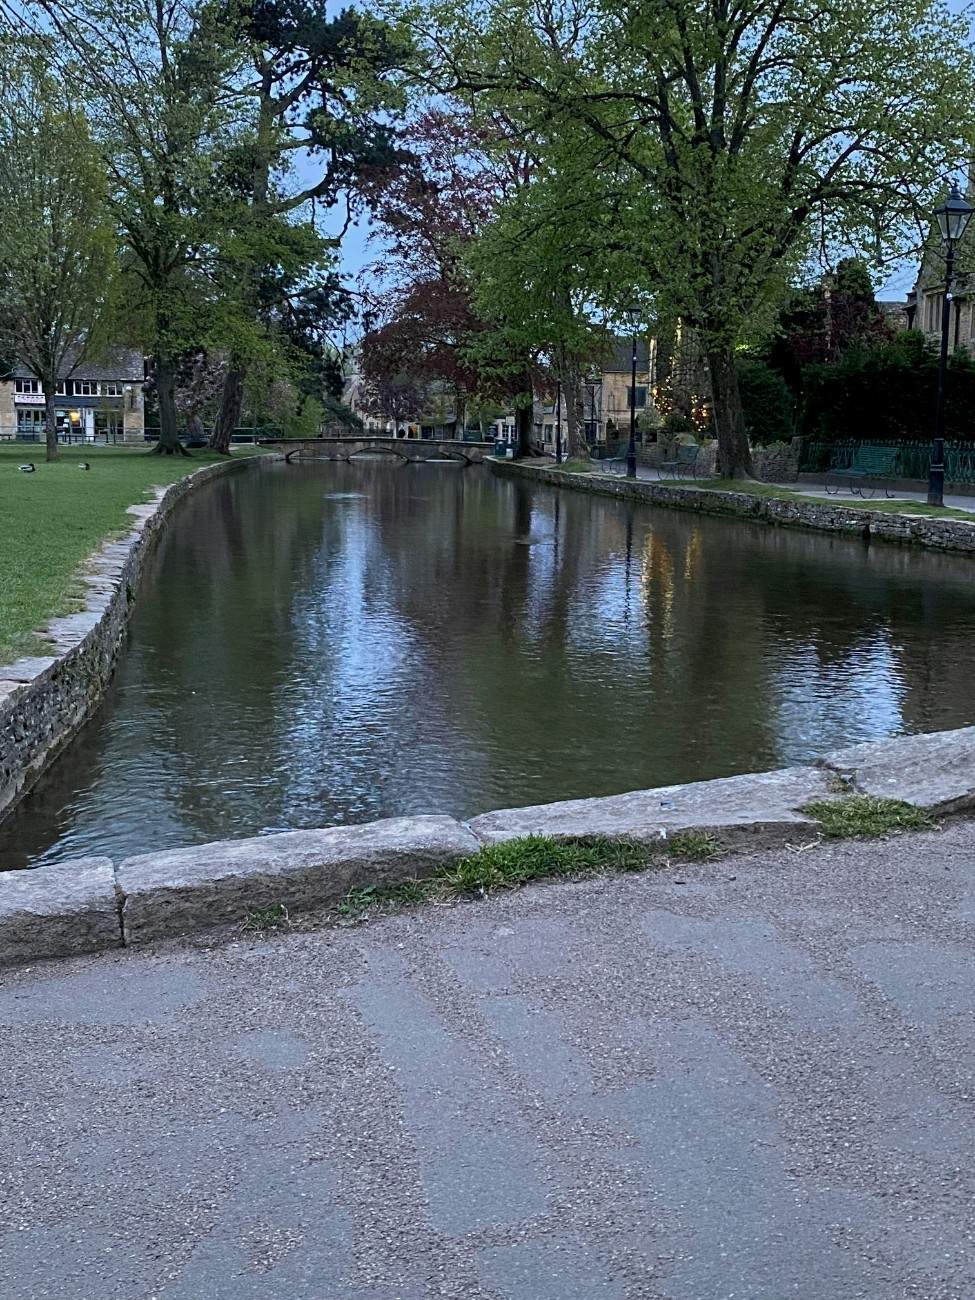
262 919
767 403
692 846
887 391
509 865
863 816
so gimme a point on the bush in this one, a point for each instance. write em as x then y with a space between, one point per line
766 401
888 391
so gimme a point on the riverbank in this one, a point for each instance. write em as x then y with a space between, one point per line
45 697
55 518
93 904
766 504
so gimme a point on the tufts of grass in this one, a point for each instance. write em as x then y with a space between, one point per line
509 865
261 919
575 465
693 846
862 815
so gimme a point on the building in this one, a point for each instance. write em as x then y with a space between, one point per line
606 397
100 402
922 310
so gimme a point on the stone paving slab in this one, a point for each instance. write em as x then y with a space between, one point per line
197 888
935 770
745 1080
64 909
752 805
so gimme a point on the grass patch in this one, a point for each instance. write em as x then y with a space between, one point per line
262 919
862 816
692 846
576 466
55 518
775 492
510 865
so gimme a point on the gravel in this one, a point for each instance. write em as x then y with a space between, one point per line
748 1080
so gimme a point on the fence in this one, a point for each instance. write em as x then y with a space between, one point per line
912 462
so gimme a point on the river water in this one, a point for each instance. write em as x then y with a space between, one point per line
328 643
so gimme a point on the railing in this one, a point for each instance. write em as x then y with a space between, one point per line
912 461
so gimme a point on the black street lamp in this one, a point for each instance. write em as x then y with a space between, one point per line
633 316
953 218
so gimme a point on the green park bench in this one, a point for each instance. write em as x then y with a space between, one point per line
870 469
684 464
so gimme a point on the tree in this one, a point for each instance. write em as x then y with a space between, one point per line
728 142
57 243
150 73
321 88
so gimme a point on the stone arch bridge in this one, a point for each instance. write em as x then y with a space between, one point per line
416 450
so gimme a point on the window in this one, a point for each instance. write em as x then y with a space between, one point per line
85 388
108 424
932 311
641 395
61 390
28 385
111 389
30 422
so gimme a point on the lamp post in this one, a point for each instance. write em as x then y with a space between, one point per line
953 218
633 316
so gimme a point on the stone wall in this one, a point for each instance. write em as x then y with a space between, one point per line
45 699
915 530
776 464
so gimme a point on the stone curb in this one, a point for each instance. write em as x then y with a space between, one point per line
44 700
910 530
84 906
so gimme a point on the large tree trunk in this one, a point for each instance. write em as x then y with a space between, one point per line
169 443
575 436
50 418
734 454
525 418
231 405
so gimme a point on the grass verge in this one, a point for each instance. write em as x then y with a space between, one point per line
516 863
861 816
55 518
775 492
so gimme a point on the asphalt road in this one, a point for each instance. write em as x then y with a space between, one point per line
746 1081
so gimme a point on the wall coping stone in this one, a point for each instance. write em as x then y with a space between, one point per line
58 911
902 529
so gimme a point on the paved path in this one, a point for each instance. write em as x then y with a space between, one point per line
749 1081
954 500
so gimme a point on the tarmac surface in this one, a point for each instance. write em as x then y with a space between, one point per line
749 1080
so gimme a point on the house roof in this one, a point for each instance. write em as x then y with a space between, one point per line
620 359
116 364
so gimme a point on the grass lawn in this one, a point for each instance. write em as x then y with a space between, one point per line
51 521
783 494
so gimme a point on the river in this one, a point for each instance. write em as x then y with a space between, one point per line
328 642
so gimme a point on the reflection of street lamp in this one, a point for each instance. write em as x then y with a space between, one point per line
953 218
633 316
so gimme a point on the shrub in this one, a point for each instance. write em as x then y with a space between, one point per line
767 402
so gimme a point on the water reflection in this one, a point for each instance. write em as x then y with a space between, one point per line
338 642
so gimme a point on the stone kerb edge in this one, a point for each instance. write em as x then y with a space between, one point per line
912 530
46 699
88 905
